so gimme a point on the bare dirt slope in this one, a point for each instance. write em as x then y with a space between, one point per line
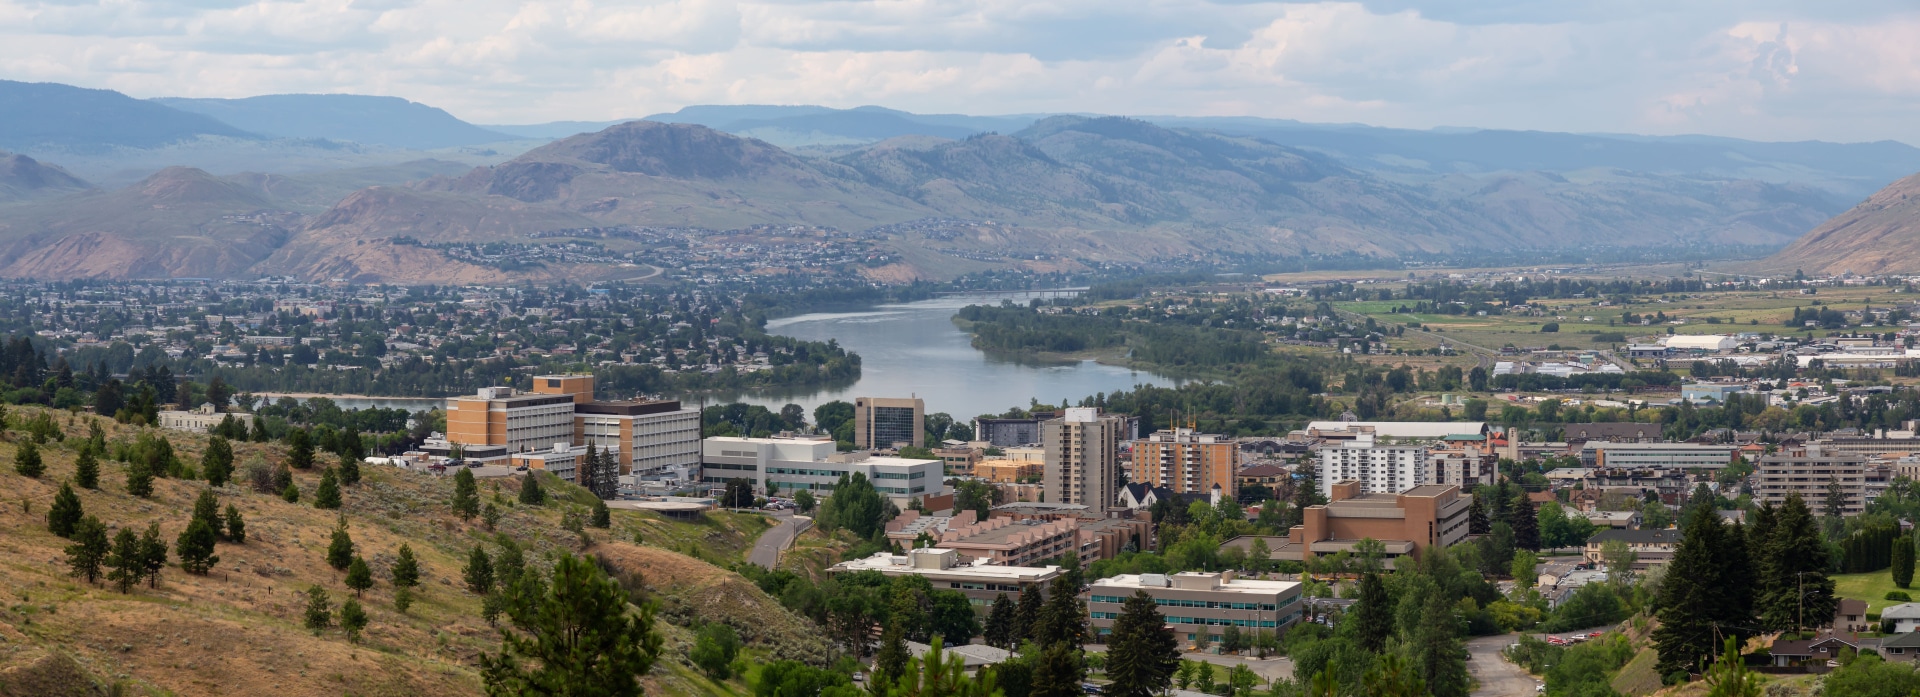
1880 235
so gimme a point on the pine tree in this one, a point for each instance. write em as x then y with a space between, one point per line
466 496
207 508
1059 673
406 570
402 599
1477 523
1693 598
340 549
126 563
530 492
1064 619
282 478
139 479
236 526
999 626
602 517
216 463
86 469
290 493
327 495
1026 614
576 636
153 554
353 619
1372 618
26 460
359 577
490 516
195 547
63 517
1525 522
319 615
1903 560
88 553
478 572
299 449
1141 655
1794 591
349 470
890 662
1437 649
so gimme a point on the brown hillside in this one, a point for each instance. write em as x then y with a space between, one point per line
1881 235
238 630
178 222
23 177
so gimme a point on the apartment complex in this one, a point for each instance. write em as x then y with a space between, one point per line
1195 603
647 436
1650 547
980 582
1380 468
1082 458
1430 515
1187 462
1005 433
998 540
813 463
884 423
1809 470
1463 465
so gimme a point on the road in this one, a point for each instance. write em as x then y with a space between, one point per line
766 550
1494 675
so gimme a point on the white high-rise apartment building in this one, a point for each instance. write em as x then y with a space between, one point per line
1380 468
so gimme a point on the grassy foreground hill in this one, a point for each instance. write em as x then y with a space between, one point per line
239 631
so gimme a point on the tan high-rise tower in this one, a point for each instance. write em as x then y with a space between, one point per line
1082 451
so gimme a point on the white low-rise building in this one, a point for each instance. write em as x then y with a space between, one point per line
813 463
200 419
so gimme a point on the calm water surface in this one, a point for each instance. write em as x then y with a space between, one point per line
913 349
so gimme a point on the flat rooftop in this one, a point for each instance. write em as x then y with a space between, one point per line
1238 585
900 564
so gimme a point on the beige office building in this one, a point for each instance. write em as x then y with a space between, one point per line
1809 469
880 422
1082 458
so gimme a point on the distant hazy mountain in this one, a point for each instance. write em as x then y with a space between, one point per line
23 177
789 126
554 130
1881 235
44 115
390 121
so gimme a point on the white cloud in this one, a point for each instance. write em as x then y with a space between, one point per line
1774 69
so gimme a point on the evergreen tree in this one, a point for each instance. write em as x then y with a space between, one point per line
575 636
299 449
88 553
466 496
353 618
1064 618
1026 614
290 493
1525 522
1903 560
1437 649
282 478
406 570
1306 493
602 517
490 516
258 433
530 493
1372 618
86 469
63 517
207 508
478 571
319 615
359 577
1141 655
1695 601
327 495
195 547
1477 523
349 470
1059 672
153 553
999 628
340 549
139 479
126 563
216 463
26 460
890 662
236 526
1795 591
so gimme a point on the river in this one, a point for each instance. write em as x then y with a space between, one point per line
913 349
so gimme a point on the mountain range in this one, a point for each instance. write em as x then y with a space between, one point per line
354 174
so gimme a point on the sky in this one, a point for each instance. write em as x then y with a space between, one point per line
1839 70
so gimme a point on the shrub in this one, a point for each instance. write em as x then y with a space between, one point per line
1899 595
